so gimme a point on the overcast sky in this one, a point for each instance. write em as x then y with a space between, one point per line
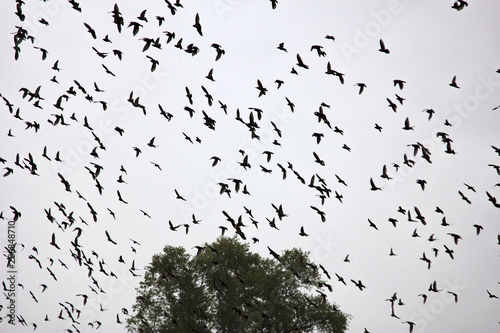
429 44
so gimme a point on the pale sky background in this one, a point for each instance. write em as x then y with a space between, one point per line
429 44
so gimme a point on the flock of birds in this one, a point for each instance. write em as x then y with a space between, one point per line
72 255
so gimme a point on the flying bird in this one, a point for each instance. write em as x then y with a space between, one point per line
109 238
197 24
459 5
361 86
262 90
454 83
373 187
53 242
383 49
300 63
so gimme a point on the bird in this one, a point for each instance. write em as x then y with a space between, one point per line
431 238
135 26
478 228
361 86
178 196
151 143
407 126
411 325
496 149
318 137
459 5
340 180
384 173
154 63
318 159
321 213
455 237
144 213
107 70
120 197
319 50
53 241
219 51
197 24
300 63
392 105
373 225
279 211
464 197
399 83
262 90
209 76
302 232
194 220
90 30
470 187
400 99
118 53
393 221
281 47
454 83
383 49
137 151
490 295
422 183
430 112
373 187
358 284
109 238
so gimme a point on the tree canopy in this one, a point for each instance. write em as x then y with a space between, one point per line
226 288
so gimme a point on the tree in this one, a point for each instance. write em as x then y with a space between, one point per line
226 288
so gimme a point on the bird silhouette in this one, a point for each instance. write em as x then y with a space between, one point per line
281 47
197 24
53 241
178 196
373 187
464 197
407 125
454 83
383 49
262 90
361 86
109 238
300 63
459 5
455 237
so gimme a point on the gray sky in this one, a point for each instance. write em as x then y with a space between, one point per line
429 44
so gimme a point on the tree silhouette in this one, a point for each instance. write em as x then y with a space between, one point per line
226 288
